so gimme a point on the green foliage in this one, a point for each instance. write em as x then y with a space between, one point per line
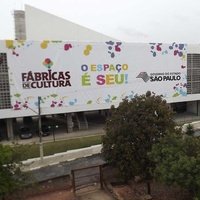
178 162
131 131
190 130
11 178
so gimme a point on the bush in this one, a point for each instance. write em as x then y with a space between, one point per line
189 130
11 178
177 161
131 131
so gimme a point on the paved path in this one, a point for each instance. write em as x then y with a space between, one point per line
64 168
61 135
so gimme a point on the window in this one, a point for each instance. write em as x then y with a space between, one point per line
193 73
4 83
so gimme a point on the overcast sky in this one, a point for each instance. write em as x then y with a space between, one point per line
127 20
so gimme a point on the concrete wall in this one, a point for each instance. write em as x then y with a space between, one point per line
41 25
196 125
34 163
20 30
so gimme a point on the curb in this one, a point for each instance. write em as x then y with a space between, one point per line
37 163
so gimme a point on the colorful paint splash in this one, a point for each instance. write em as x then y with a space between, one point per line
44 44
89 102
14 45
73 102
131 95
18 105
180 89
178 49
67 46
113 48
157 48
9 44
110 99
87 50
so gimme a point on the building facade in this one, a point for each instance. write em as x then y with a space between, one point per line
74 77
75 70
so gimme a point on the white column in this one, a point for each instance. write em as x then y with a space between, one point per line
69 123
9 124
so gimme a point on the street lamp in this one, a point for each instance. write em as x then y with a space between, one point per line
40 129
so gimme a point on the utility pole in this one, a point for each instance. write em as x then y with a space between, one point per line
40 129
54 127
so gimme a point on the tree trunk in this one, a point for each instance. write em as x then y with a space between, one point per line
148 188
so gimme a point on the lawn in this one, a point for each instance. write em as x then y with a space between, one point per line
23 152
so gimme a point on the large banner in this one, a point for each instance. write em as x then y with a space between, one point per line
67 74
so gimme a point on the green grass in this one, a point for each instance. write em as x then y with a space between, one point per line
23 152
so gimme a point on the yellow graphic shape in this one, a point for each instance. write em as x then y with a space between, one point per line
44 44
183 57
87 50
89 47
9 44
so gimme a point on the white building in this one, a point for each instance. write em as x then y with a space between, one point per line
92 71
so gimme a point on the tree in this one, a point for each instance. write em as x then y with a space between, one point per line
11 177
133 127
190 130
177 162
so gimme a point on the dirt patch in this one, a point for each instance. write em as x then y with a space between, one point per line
94 194
58 189
135 191
58 195
61 189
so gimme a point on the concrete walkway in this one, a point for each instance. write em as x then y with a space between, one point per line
64 168
60 135
182 118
